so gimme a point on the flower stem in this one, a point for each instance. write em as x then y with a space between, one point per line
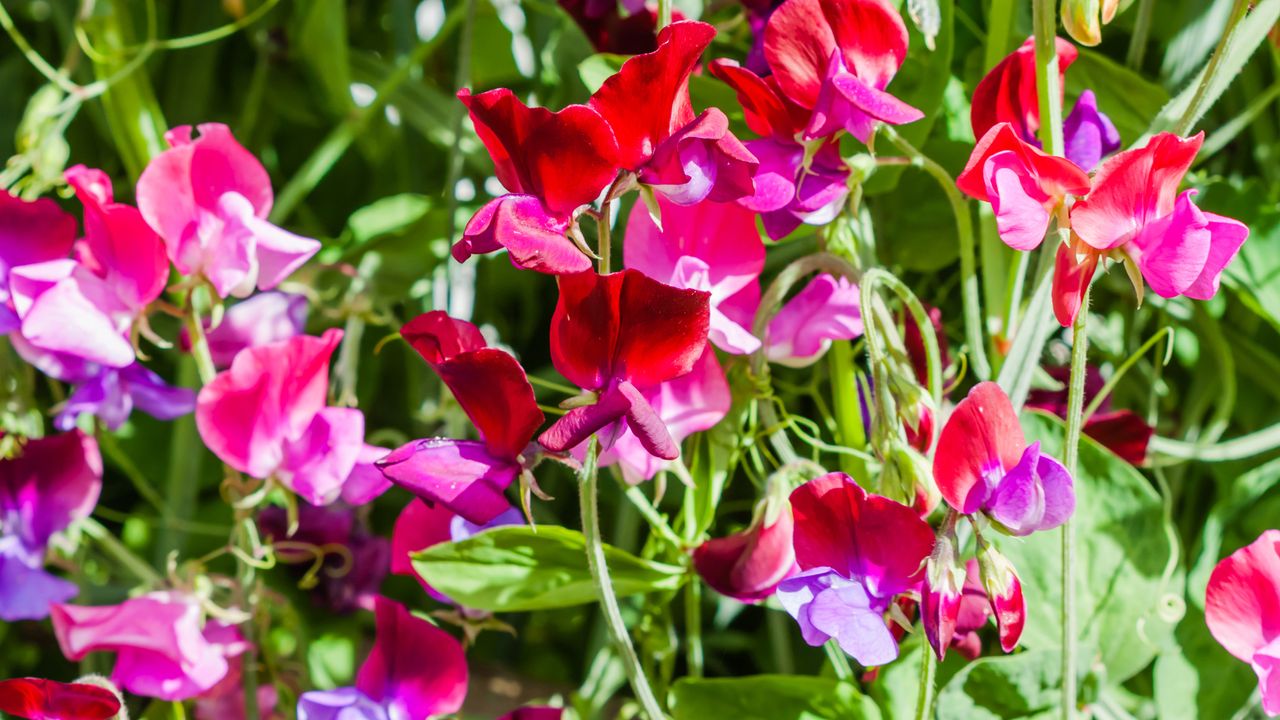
839 663
928 676
1048 77
1075 421
664 14
588 488
693 625
604 237
118 552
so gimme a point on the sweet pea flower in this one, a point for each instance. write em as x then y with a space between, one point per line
856 552
1123 432
1242 610
975 609
88 306
1004 594
262 319
983 464
266 416
686 157
750 564
611 32
835 58
1007 94
827 309
940 596
414 672
355 561
469 476
1135 214
421 526
30 232
534 712
613 334
551 163
209 198
39 699
53 483
792 185
163 647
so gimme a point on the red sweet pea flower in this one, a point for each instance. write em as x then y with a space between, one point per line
39 699
466 476
835 57
553 163
612 333
1008 93
686 157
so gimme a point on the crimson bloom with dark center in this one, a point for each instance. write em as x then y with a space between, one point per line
835 57
686 156
611 32
552 163
613 333
1123 432
469 476
39 699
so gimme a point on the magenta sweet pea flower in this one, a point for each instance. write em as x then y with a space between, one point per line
415 670
164 648
266 416
827 309
1242 610
30 232
835 58
856 552
262 319
469 476
613 334
983 464
209 198
421 525
552 163
685 156
39 699
346 583
88 306
53 483
750 564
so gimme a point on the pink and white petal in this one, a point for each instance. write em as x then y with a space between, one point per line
221 165
1017 200
277 252
534 238
827 309
77 315
1225 238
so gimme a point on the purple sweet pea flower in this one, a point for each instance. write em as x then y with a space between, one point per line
54 482
856 551
346 583
415 670
1088 135
788 193
30 232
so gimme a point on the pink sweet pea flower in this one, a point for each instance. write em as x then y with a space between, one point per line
163 647
54 482
552 163
88 306
1134 213
415 670
266 416
835 57
687 157
983 464
856 551
827 309
613 334
469 476
209 198
259 320
30 232
39 699
421 525
1242 610
709 246
750 564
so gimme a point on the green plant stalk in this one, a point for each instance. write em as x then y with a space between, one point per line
133 114
588 489
1075 422
118 552
1044 19
693 625
1194 110
664 13
848 408
839 662
1141 29
928 678
999 26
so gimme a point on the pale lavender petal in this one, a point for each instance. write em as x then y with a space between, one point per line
460 474
1059 492
1088 134
103 397
26 590
345 703
797 593
847 613
60 366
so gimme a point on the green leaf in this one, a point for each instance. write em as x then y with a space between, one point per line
1122 549
1197 678
598 68
387 216
993 688
516 569
321 42
331 658
770 697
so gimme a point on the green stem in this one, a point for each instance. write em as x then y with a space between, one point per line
1048 76
604 236
1075 422
839 661
118 552
133 113
1141 28
52 74
656 521
664 13
693 625
851 431
928 672
588 488
1245 446
999 26
247 576
1195 110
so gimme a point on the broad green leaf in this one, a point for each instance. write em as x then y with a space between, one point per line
320 39
770 697
331 658
387 216
999 687
516 569
1197 678
597 68
1122 549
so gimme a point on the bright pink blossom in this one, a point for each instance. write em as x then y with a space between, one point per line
613 334
469 476
164 648
30 232
552 163
983 464
209 199
827 309
258 320
1242 610
835 58
266 416
39 699
686 156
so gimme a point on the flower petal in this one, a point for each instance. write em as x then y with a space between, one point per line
1242 603
45 699
981 437
415 669
460 474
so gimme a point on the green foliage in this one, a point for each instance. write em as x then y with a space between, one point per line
770 697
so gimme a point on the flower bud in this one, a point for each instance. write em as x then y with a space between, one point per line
1004 592
748 565
1081 19
906 478
940 599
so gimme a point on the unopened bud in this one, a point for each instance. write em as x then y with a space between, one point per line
1004 592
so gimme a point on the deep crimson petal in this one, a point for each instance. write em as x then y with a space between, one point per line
663 330
647 426
40 699
982 436
1007 94
1122 432
415 669
798 43
871 36
495 393
564 158
1055 176
32 232
767 111
584 328
748 565
438 337
1070 279
661 79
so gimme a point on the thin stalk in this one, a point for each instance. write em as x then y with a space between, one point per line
656 521
1048 77
118 552
1141 28
780 632
604 236
851 432
247 576
664 13
1194 111
693 625
52 74
588 488
839 662
928 678
1075 422
999 24
1245 446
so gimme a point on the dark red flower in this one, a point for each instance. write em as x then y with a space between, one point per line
610 32
1123 432
40 699
1008 93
